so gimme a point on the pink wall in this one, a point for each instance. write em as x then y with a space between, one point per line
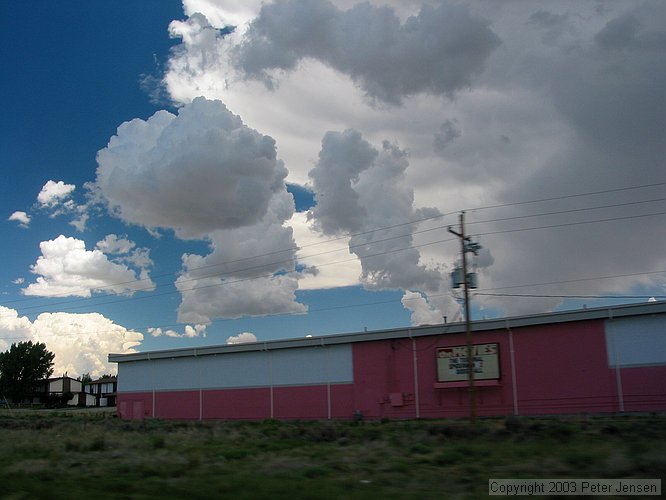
237 403
445 401
385 381
178 404
559 368
134 406
254 403
300 402
564 369
644 388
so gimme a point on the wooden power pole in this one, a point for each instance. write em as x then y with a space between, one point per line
467 246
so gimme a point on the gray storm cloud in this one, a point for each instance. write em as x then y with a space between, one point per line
571 102
447 133
604 84
359 189
251 271
342 158
195 172
438 51
205 174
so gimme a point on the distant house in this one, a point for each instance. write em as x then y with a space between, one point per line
61 390
103 390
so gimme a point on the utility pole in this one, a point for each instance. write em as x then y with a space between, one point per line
467 245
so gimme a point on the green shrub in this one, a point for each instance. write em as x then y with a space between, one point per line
97 444
158 441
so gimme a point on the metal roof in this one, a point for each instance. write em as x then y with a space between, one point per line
610 312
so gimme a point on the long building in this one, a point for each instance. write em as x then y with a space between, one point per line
601 360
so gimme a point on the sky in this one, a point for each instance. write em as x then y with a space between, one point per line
178 174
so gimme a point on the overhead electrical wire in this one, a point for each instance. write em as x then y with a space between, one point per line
571 296
384 228
271 274
569 196
560 212
229 282
569 224
259 256
576 280
349 248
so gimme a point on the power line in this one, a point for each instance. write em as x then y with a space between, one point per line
327 264
568 224
568 196
300 258
571 296
577 280
352 235
574 210
240 280
258 256
351 247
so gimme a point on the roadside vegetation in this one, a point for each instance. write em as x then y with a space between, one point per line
68 455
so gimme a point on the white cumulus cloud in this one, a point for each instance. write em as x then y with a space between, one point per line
21 217
67 268
112 244
55 198
221 14
125 251
423 313
13 328
242 338
54 193
81 342
195 172
188 332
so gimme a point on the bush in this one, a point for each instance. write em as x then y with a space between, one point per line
513 424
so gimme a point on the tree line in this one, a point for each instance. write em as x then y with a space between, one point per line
22 366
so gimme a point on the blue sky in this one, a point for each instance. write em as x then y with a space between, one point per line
160 167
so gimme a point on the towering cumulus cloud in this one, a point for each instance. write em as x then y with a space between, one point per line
437 51
359 189
80 342
501 103
194 172
205 174
250 271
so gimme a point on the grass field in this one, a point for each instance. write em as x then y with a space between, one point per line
68 455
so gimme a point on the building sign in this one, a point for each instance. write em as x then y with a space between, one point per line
452 363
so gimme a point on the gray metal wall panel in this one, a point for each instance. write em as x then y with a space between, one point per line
244 369
174 374
313 365
301 366
131 376
636 341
